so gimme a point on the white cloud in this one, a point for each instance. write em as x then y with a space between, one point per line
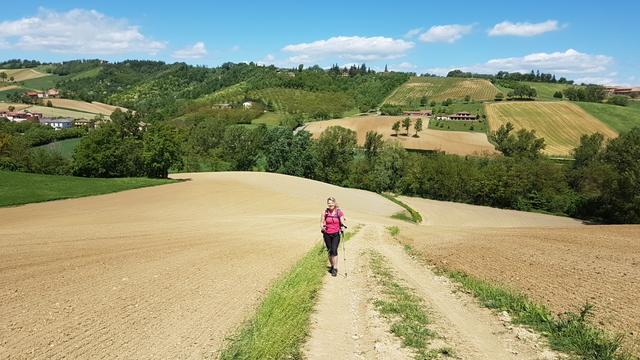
76 31
571 64
600 80
445 33
412 33
196 51
523 29
350 48
403 66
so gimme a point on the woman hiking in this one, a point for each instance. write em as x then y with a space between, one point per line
332 220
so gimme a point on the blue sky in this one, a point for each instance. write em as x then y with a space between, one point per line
586 41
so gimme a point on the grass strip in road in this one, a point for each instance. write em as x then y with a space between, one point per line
406 311
281 323
413 216
17 188
569 332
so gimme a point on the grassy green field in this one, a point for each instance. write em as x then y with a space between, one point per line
64 147
450 125
436 88
18 188
620 118
546 90
269 118
42 83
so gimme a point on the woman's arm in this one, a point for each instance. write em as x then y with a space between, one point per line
343 221
323 223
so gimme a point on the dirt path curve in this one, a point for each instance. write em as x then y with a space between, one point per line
342 323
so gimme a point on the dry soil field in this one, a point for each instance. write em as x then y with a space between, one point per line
436 88
83 106
559 262
23 74
453 142
162 272
560 123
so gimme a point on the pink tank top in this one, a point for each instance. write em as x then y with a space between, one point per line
332 221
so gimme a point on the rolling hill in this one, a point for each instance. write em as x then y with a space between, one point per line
437 88
560 123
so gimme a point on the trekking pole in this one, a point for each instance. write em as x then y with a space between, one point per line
344 252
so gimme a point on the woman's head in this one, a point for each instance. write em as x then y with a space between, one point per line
331 203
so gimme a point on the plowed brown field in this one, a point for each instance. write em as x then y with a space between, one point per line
453 142
162 272
556 261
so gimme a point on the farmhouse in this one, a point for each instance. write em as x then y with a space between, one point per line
629 91
83 123
459 116
53 93
426 112
19 116
62 123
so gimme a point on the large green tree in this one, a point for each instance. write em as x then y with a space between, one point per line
161 151
334 152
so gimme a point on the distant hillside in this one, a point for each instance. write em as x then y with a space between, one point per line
438 88
170 90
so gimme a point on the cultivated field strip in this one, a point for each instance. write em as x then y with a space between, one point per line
561 124
436 88
23 74
163 272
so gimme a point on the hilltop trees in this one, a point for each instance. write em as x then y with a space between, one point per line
522 91
590 93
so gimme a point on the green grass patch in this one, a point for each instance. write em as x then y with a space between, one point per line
393 230
619 118
281 323
42 83
413 216
569 332
404 309
64 147
17 188
451 125
269 118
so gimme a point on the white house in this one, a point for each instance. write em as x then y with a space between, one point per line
62 123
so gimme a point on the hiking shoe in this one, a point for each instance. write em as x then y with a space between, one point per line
329 269
334 272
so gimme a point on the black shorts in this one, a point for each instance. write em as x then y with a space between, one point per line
332 241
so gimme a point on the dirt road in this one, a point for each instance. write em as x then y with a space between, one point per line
162 272
345 325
